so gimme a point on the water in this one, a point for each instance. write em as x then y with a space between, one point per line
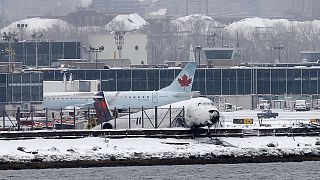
290 170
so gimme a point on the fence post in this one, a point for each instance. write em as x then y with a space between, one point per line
60 118
129 117
18 118
74 117
183 114
170 115
115 117
4 120
88 114
156 117
101 119
142 118
46 118
31 115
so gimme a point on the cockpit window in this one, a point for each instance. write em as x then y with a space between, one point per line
205 104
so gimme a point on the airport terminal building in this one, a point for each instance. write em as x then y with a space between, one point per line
240 80
21 88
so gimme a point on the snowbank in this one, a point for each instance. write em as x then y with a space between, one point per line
250 26
128 22
196 23
104 149
38 24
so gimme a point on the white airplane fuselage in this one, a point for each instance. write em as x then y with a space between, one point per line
117 99
197 112
55 101
145 99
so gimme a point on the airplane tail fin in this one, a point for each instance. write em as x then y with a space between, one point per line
183 82
102 109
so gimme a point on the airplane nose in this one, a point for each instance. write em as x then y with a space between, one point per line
214 116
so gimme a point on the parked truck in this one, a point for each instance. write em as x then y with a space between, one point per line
302 105
266 114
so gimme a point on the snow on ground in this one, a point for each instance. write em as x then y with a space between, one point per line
38 25
128 22
95 148
250 26
198 23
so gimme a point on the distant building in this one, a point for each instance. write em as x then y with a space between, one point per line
134 47
226 56
21 88
47 52
310 56
31 8
120 6
240 80
88 17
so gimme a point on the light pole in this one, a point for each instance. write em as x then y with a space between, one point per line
36 37
119 40
9 37
21 27
94 49
198 49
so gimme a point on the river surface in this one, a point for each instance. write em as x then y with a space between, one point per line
290 170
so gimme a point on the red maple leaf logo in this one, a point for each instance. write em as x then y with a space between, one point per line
184 81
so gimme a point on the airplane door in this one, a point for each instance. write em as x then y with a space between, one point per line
155 97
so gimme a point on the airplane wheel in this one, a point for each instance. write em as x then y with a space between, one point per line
107 126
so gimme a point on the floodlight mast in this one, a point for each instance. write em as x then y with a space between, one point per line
10 36
35 37
119 41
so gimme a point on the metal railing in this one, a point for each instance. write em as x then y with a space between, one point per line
30 119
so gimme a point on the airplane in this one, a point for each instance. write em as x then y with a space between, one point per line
178 90
197 112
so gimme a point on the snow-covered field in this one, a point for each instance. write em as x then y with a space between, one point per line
98 148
